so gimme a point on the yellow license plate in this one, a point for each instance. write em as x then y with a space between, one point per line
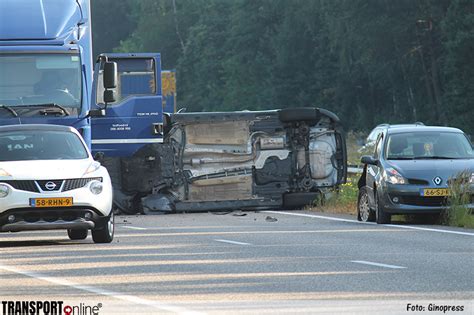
435 192
51 202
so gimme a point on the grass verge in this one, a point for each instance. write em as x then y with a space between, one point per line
457 213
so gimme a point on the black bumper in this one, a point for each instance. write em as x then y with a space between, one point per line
30 219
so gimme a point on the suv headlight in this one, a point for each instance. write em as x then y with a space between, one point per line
96 187
4 190
392 176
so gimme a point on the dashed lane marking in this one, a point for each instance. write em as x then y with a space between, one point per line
377 264
232 242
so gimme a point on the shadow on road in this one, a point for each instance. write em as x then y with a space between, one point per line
36 243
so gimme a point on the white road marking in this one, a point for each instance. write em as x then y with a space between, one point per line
120 141
377 264
134 228
373 223
430 229
232 242
124 297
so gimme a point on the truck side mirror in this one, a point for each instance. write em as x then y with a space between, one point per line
110 75
110 96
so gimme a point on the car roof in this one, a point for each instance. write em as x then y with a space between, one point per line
418 128
39 127
400 125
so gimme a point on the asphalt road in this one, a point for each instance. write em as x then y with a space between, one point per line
302 262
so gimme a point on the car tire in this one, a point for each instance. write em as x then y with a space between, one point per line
77 234
106 233
289 115
381 217
364 213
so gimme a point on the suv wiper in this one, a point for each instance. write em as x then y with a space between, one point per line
64 110
435 157
11 110
400 158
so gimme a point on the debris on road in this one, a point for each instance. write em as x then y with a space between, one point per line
239 214
271 219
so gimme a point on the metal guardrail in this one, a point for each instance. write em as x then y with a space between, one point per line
354 169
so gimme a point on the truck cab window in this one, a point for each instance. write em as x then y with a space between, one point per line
136 77
30 79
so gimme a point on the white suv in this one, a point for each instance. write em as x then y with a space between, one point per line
49 180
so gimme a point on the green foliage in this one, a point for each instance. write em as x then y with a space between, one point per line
343 199
370 61
459 64
458 214
111 23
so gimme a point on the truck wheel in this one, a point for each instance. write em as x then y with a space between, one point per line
77 234
381 217
364 213
299 114
106 233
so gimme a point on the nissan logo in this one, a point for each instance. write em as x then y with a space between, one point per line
437 180
50 185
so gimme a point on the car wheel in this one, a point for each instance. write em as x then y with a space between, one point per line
106 233
77 234
381 217
364 213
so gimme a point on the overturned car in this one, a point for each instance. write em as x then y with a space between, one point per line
237 160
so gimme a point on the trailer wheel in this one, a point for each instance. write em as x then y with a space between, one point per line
308 114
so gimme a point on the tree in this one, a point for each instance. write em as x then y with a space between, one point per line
111 23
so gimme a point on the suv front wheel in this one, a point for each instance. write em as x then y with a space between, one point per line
106 233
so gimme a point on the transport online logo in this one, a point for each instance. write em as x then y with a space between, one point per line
48 308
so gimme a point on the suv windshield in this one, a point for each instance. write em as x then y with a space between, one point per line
32 79
40 145
428 145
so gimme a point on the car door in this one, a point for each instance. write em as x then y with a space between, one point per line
374 170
